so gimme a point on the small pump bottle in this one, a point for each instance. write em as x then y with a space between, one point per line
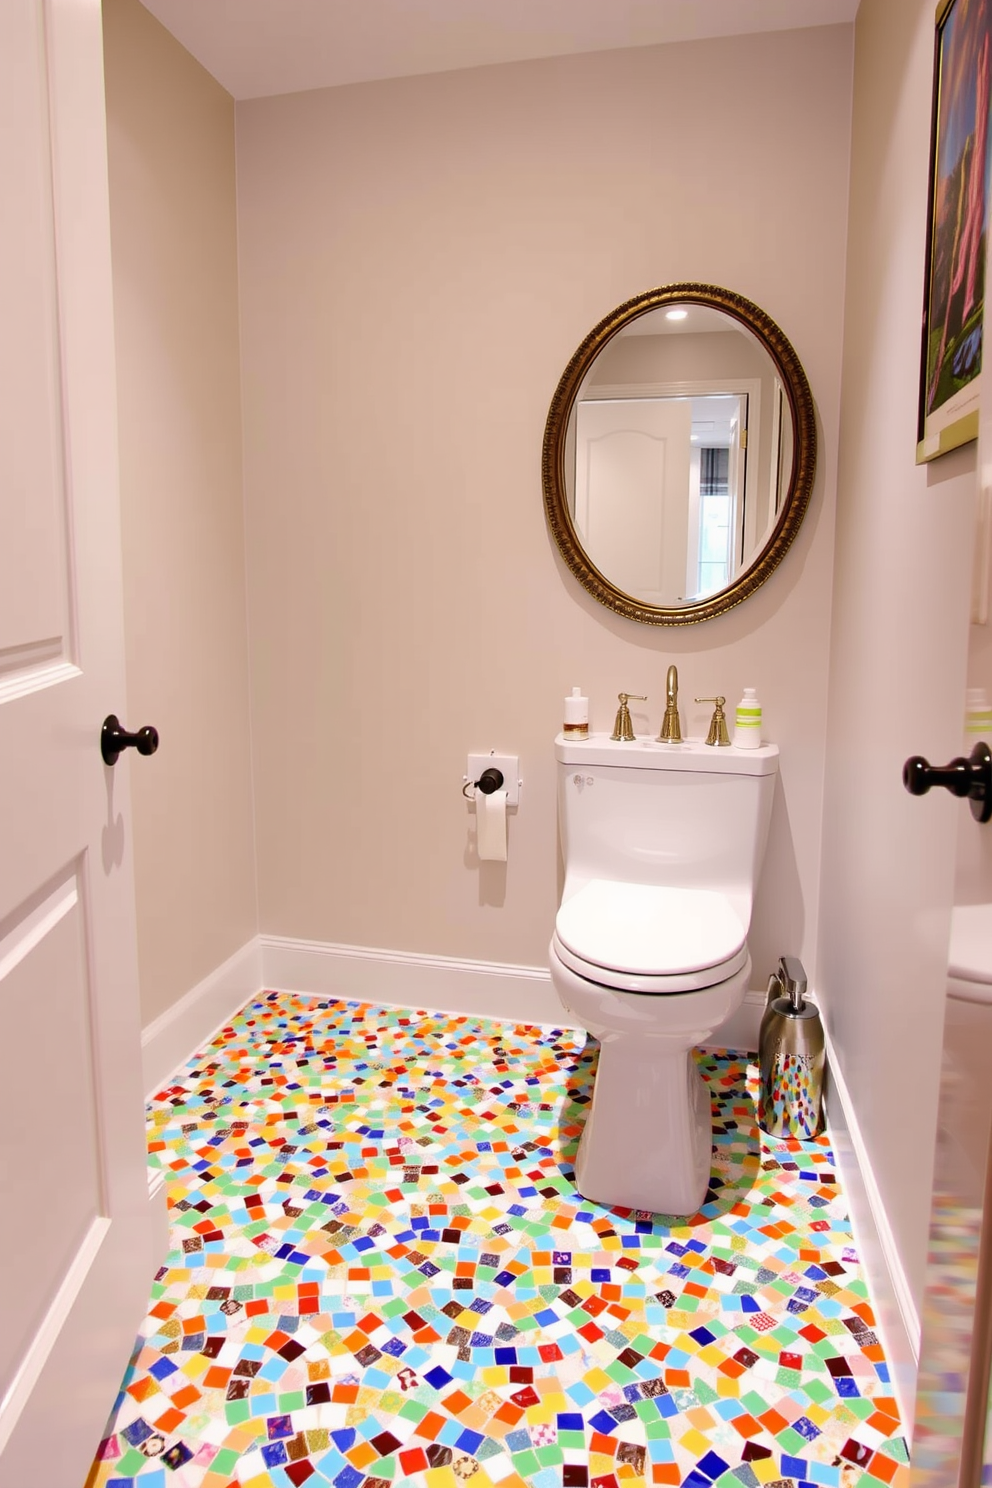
747 728
576 724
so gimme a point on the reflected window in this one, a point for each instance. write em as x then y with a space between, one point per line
716 522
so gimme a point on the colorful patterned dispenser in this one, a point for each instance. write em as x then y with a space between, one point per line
791 1057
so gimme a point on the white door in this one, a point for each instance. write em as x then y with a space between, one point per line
632 492
75 1254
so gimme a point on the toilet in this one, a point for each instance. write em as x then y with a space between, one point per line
662 845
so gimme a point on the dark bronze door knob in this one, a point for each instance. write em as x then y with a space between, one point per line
971 778
114 739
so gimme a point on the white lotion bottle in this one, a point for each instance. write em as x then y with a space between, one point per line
747 725
576 716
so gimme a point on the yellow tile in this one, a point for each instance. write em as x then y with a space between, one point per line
711 1354
539 1415
441 1477
683 1321
695 1442
765 1470
598 1381
730 1389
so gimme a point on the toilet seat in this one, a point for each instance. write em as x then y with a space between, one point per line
649 939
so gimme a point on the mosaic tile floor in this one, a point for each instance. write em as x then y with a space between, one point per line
384 1275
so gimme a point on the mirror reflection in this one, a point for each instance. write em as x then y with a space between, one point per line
679 454
679 451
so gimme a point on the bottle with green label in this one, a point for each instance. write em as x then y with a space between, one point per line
747 726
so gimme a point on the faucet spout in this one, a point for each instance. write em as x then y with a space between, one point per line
671 733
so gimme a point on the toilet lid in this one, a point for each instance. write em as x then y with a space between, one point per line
970 956
645 930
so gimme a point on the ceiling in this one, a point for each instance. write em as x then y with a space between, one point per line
260 47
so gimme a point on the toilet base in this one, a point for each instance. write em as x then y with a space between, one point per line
647 1140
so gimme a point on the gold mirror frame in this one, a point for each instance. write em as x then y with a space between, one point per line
797 493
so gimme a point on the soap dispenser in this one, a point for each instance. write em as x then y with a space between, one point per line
747 724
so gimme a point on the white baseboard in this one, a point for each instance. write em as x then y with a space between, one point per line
898 1321
443 984
158 1218
487 989
175 1036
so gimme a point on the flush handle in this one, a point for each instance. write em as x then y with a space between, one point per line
971 778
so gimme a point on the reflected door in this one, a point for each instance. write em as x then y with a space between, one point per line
76 1255
632 492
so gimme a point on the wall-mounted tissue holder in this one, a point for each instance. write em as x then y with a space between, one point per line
507 764
493 786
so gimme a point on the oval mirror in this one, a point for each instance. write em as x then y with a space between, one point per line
679 454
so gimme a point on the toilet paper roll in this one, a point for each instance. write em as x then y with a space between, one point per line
490 817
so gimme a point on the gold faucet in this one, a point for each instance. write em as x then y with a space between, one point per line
671 733
623 729
717 735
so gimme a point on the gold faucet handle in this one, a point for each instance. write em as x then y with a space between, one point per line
623 729
717 735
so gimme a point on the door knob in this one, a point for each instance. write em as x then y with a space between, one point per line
971 777
113 739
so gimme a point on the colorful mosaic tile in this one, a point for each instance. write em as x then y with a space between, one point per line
383 1275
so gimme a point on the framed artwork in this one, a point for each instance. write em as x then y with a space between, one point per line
960 162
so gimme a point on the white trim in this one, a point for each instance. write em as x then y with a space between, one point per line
45 1337
158 1217
176 1034
898 1321
444 984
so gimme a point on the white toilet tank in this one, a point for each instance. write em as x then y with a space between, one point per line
686 815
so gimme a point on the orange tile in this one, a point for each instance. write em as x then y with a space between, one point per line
184 1398
883 1468
456 1402
666 1472
169 1420
216 1377
746 1426
362 1454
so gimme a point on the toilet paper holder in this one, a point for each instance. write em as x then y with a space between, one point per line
482 770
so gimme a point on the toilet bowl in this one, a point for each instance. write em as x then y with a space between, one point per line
662 844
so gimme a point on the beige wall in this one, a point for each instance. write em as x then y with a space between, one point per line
174 237
419 259
898 646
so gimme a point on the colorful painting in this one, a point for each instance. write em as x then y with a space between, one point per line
961 158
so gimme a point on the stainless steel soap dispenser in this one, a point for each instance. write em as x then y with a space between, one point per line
790 1054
